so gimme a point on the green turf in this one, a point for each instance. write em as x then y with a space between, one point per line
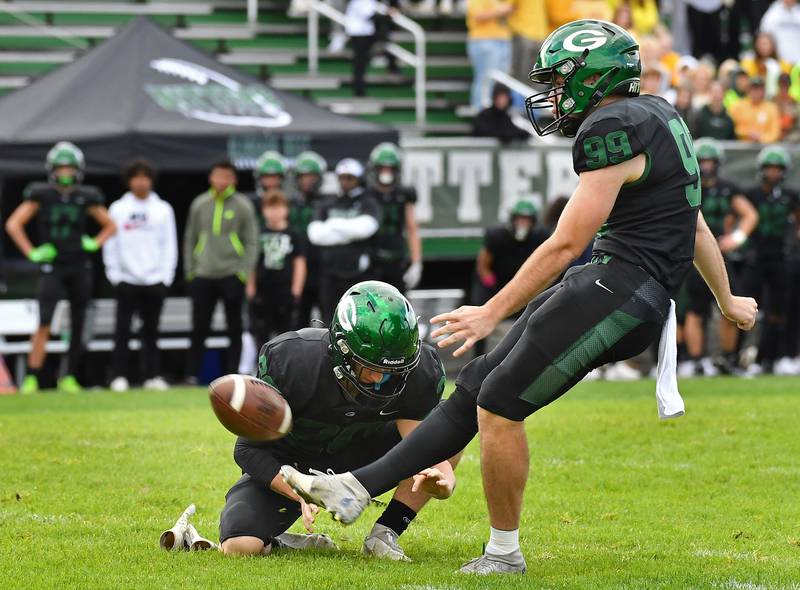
616 498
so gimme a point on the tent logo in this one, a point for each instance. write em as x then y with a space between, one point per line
215 98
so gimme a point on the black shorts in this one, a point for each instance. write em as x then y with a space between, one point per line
768 281
253 510
598 313
698 296
55 282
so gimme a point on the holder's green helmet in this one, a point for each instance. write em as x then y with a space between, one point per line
65 153
270 162
374 327
384 154
707 148
581 63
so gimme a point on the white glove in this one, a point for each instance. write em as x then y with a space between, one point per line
413 275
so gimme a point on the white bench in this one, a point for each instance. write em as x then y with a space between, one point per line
21 317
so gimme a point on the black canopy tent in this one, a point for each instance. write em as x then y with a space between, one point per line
145 93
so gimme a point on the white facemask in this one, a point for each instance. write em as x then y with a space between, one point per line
386 178
521 233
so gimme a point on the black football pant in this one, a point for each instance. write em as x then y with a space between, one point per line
310 298
270 318
331 290
205 293
74 281
768 281
598 313
147 300
252 509
362 50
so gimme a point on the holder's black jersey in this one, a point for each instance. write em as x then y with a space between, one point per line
653 221
326 422
62 217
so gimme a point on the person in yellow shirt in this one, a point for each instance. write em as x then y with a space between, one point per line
488 44
755 119
529 26
765 64
643 15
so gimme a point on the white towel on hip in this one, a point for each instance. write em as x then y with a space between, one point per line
670 402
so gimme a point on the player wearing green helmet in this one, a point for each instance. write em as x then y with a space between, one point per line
731 218
767 267
62 207
306 172
269 172
355 389
638 196
397 245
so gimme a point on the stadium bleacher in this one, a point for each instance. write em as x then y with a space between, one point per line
37 36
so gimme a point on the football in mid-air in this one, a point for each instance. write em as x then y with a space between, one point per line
250 407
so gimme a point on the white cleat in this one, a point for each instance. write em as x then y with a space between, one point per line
174 539
488 563
195 542
622 371
382 542
119 384
300 542
340 494
786 366
156 384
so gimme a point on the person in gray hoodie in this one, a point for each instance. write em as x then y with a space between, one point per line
219 251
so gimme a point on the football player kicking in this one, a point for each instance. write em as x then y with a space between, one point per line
355 390
639 190
62 207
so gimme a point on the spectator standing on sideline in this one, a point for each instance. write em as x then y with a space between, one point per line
62 207
343 226
756 119
782 19
766 262
307 172
529 26
269 174
140 261
219 251
488 44
398 224
360 27
275 286
712 119
494 120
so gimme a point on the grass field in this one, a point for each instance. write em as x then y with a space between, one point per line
617 499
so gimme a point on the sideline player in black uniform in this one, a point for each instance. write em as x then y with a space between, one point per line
731 218
398 224
639 190
355 390
342 228
766 263
307 172
62 207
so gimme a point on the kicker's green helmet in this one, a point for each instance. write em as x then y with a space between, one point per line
374 327
774 155
270 162
581 63
65 153
708 148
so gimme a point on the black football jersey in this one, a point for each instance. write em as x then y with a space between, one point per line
508 254
717 204
389 242
653 221
301 213
275 267
326 422
776 209
345 260
62 217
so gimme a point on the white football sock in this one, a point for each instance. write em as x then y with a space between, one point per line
502 542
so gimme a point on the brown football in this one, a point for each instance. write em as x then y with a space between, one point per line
250 408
